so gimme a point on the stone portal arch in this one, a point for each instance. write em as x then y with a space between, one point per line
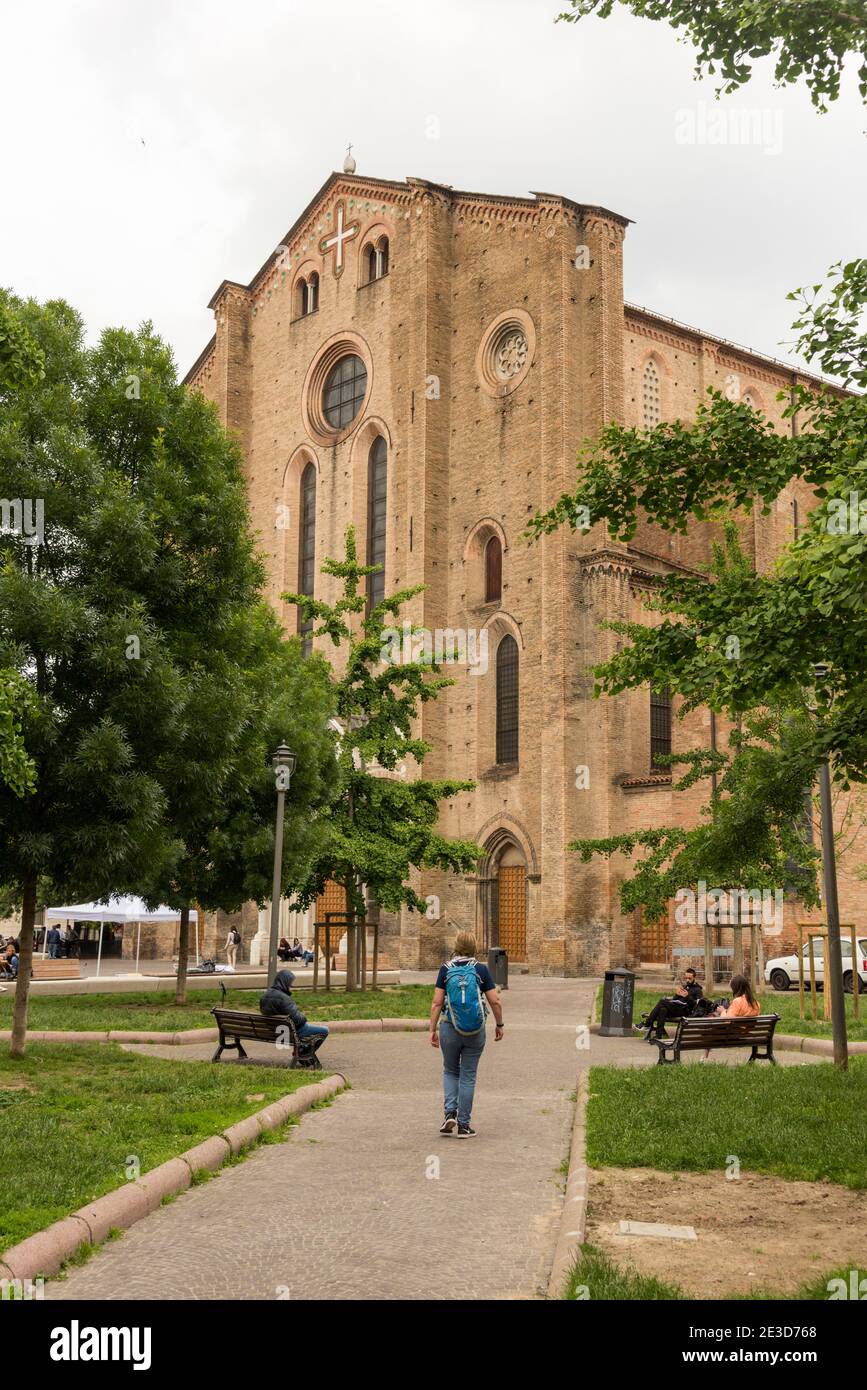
501 888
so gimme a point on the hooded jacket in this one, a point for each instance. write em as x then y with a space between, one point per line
277 1001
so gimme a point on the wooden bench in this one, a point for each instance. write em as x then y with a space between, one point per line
279 1030
55 969
697 1034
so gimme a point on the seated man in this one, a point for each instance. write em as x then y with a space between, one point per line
686 996
277 1002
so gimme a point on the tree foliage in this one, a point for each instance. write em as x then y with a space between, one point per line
807 38
155 672
753 831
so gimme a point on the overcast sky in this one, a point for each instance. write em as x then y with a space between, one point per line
152 150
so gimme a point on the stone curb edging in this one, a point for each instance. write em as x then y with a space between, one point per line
573 1219
205 1035
44 1252
792 1042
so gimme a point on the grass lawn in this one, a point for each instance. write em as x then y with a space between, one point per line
596 1276
157 1010
71 1116
786 1005
799 1122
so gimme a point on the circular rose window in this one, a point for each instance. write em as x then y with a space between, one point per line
344 391
506 352
337 388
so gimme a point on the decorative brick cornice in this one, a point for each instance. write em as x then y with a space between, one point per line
606 563
660 329
203 367
648 783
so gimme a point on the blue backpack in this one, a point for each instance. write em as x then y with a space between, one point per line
464 1006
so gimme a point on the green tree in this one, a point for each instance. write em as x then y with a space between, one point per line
744 639
21 364
17 769
223 818
379 828
808 38
130 621
752 833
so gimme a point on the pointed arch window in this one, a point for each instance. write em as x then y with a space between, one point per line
652 410
493 570
507 700
377 489
307 547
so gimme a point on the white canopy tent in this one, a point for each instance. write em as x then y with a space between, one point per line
128 909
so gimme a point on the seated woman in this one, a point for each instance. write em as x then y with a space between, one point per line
744 1003
301 953
284 950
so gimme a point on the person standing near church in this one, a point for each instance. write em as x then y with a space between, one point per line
462 987
233 941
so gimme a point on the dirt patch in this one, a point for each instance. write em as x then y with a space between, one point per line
753 1232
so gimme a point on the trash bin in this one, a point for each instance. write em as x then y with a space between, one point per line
617 999
498 964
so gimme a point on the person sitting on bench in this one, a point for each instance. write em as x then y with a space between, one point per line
681 1005
277 1002
744 1003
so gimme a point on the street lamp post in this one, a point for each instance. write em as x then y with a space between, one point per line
834 963
283 761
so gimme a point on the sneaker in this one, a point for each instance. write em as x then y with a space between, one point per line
449 1123
465 1132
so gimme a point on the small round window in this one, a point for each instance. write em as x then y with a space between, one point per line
344 391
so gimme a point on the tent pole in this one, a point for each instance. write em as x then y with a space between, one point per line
138 948
99 948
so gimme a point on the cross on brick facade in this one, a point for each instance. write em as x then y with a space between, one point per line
338 239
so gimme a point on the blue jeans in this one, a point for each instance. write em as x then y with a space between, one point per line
315 1032
460 1063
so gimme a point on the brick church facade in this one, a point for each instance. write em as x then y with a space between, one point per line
424 363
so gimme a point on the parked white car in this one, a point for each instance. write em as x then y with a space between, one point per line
782 972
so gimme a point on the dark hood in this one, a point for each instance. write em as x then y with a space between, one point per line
284 980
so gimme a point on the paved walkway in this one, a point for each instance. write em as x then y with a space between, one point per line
345 1208
348 1206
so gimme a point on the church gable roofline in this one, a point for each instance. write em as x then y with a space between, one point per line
407 186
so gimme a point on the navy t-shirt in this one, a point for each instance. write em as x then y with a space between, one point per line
486 979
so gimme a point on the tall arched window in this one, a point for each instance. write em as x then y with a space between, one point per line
493 570
507 701
652 412
377 480
660 727
300 297
307 546
312 294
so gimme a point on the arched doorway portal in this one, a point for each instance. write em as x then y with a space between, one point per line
502 896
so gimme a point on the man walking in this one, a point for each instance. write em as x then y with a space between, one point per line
460 985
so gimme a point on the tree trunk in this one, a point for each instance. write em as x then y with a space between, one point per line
25 969
351 982
183 955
